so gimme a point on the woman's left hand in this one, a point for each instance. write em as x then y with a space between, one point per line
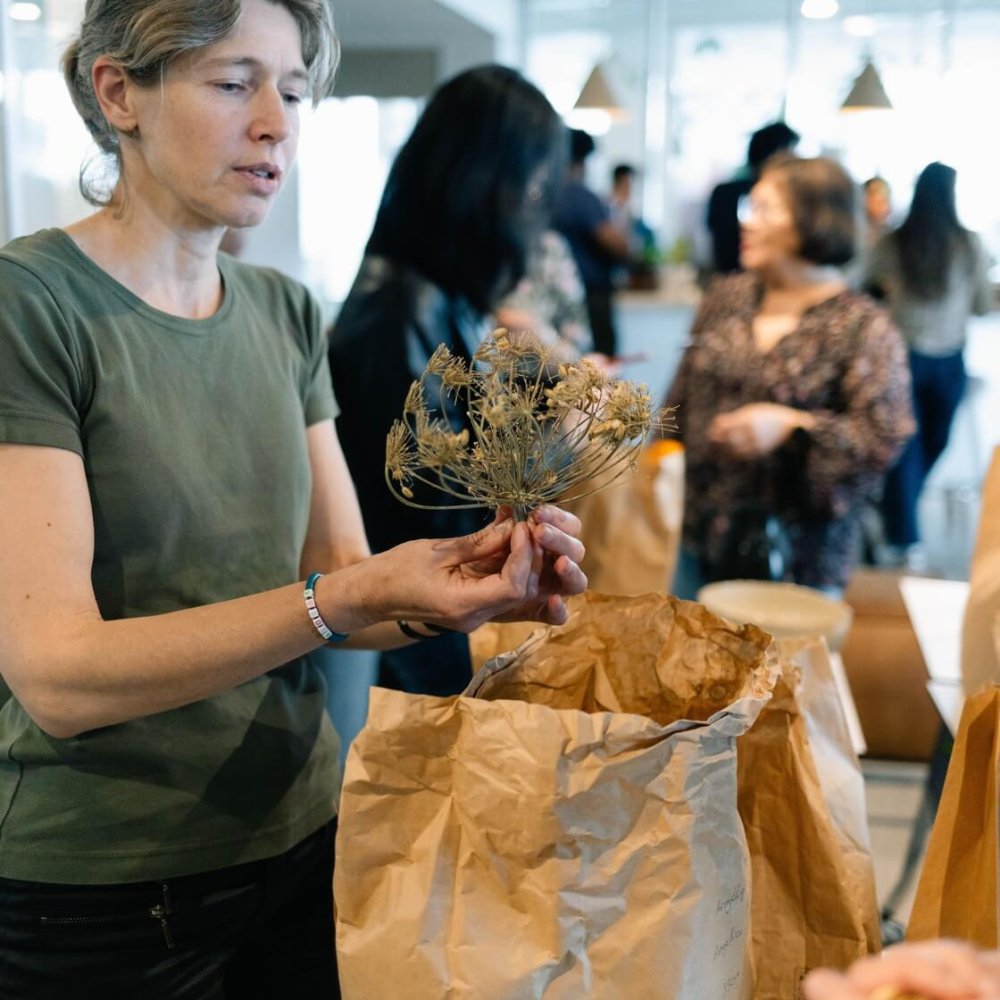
757 429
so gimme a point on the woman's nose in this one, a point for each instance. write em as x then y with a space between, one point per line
272 117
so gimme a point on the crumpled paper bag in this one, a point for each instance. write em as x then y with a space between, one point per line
957 895
632 530
981 621
565 829
802 801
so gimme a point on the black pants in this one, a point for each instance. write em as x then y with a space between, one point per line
600 313
441 666
259 930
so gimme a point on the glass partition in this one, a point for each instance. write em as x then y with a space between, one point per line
45 141
341 187
320 224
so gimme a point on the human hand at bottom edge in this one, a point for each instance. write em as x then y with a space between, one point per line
927 970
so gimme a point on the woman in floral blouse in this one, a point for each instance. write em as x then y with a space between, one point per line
793 395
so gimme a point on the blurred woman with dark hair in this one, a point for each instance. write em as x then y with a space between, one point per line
793 394
465 200
932 273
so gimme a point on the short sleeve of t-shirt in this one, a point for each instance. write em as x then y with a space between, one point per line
43 386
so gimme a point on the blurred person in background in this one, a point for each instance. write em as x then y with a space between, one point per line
622 191
932 274
466 198
721 216
878 208
926 970
639 271
793 394
599 246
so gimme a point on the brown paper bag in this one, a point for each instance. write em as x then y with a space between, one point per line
568 828
957 892
839 771
632 530
981 622
801 799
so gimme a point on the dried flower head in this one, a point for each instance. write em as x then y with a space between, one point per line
531 442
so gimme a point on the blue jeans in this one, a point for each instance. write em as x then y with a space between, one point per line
938 387
258 930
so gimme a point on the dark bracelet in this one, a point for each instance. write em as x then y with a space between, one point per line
411 633
440 629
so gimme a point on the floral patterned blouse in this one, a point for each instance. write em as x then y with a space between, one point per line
845 363
553 291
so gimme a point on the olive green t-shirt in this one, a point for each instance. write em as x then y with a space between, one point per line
192 436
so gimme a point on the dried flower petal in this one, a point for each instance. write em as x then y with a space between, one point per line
439 361
629 405
440 447
414 401
456 375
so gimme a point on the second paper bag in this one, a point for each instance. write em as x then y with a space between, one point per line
801 797
567 828
958 894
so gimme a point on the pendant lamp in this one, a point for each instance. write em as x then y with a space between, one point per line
867 94
598 96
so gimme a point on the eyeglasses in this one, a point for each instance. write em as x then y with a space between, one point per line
747 209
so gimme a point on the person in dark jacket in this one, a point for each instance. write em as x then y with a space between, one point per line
466 198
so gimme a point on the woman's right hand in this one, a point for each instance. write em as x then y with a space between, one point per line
928 970
757 429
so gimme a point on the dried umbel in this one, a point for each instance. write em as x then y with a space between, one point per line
534 439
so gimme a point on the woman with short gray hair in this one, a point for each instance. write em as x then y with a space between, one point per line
179 533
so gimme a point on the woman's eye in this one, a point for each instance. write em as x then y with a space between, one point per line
293 98
230 86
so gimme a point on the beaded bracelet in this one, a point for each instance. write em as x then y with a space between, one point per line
314 616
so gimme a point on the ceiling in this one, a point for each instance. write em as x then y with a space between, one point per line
367 20
694 12
363 22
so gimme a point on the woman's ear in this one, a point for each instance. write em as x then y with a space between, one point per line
114 90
